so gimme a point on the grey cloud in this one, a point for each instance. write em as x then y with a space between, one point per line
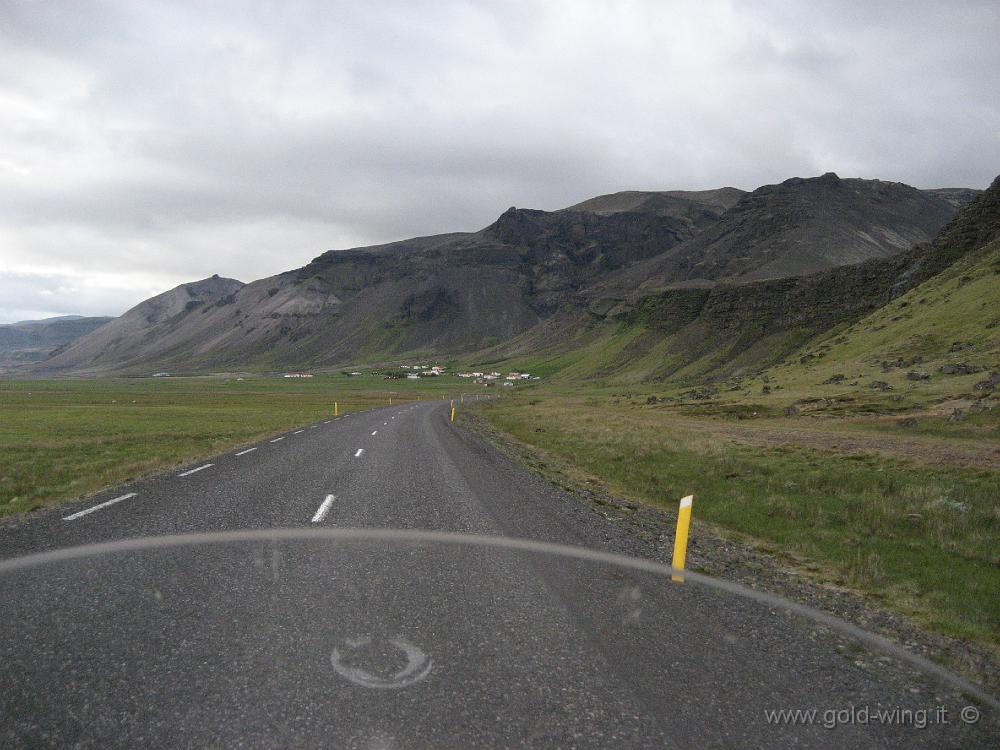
167 141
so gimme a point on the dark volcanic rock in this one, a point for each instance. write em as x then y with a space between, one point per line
449 293
989 384
959 369
798 227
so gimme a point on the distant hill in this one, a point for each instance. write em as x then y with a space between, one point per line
697 208
47 320
32 340
144 331
720 199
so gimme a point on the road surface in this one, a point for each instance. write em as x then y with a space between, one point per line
319 642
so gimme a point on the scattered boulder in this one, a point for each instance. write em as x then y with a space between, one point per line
917 375
791 411
701 394
908 422
879 385
958 415
959 369
838 378
960 345
765 390
900 363
990 384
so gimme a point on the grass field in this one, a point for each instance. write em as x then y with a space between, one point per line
924 539
60 439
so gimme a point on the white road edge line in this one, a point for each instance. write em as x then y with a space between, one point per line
192 471
323 509
248 450
298 432
98 507
360 451
277 439
374 432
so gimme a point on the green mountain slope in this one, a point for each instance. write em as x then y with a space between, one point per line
941 339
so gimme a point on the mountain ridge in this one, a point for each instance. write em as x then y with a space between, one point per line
699 333
800 226
449 294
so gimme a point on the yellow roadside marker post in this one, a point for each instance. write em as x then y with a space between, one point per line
681 538
452 411
336 408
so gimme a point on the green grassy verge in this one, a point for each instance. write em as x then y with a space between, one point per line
60 439
922 539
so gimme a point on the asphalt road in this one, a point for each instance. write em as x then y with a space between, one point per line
337 643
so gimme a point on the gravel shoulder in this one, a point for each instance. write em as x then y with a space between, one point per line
736 557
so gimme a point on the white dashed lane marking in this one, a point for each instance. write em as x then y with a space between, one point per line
323 509
360 451
277 439
248 450
99 506
192 471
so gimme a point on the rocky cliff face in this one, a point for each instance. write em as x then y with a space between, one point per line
800 226
774 316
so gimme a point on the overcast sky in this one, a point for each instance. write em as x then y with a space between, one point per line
144 144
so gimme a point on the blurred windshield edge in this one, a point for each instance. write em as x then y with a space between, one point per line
435 537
